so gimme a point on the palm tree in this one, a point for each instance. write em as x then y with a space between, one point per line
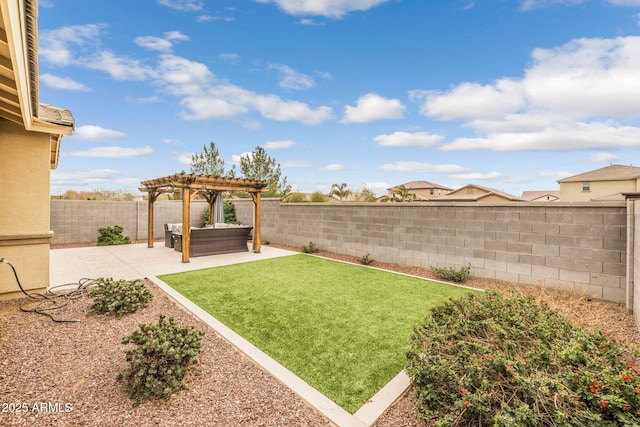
400 194
340 191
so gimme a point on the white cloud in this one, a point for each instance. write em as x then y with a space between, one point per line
626 3
236 157
201 95
161 44
290 79
83 177
148 100
185 158
113 152
230 101
307 21
183 5
329 8
97 133
277 145
471 100
120 68
538 4
173 142
211 18
296 164
183 77
603 157
64 83
561 137
56 46
417 167
333 167
582 95
154 43
232 58
377 187
372 107
472 176
587 78
406 139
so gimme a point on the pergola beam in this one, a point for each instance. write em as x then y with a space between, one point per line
189 185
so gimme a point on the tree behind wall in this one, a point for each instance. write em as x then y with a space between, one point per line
208 163
259 166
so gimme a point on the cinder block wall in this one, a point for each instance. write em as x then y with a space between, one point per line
568 245
634 283
78 221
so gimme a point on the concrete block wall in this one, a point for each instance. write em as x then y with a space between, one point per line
78 221
634 255
568 245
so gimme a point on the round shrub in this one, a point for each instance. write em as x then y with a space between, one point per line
486 359
112 236
163 357
119 297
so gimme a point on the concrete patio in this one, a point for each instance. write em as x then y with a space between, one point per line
137 261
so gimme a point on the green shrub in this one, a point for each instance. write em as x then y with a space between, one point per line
296 197
119 297
486 359
112 236
165 354
365 260
318 197
451 274
311 248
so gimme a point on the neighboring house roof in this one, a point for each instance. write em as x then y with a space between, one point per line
420 185
19 97
607 173
460 195
540 196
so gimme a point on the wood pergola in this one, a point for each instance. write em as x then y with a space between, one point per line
190 185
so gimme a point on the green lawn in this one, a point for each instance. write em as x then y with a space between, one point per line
342 328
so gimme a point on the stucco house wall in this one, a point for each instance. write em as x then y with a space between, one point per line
24 209
573 192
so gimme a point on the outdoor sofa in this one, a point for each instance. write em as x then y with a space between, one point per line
211 240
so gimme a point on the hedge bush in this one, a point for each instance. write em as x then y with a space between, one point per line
487 359
119 297
163 357
112 236
451 274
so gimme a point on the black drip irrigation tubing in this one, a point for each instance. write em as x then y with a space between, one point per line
53 300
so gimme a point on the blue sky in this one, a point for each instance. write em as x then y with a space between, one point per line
509 94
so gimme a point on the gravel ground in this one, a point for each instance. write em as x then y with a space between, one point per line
71 367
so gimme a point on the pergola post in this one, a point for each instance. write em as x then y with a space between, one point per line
153 195
256 222
186 223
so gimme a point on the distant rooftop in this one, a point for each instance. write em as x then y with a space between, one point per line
540 195
421 185
607 173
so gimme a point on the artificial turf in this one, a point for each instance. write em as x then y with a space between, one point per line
343 328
